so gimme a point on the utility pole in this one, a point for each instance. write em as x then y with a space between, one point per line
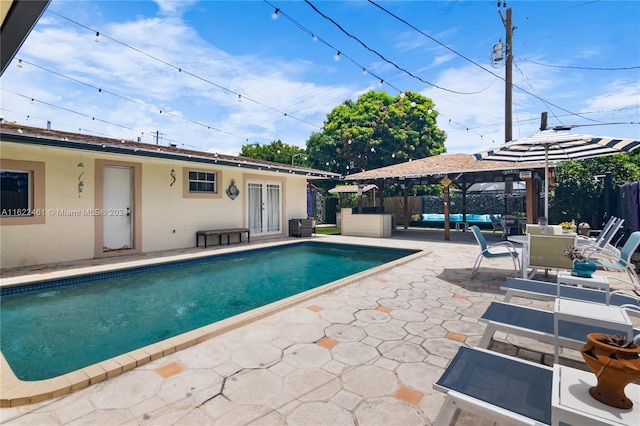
508 75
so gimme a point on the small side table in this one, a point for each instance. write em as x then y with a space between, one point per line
597 282
462 225
572 404
598 315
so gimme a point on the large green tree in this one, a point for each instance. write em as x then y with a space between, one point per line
276 151
579 191
375 131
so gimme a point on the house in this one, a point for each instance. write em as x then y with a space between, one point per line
68 196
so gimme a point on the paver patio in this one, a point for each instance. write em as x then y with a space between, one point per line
365 354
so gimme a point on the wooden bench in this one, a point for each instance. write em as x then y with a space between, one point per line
220 233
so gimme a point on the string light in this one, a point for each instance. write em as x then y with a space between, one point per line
364 71
380 83
337 57
274 16
19 65
97 37
99 92
239 98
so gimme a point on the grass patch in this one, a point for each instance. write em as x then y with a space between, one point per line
328 230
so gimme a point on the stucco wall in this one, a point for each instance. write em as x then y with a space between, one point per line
168 219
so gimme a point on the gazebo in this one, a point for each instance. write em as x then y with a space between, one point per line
461 170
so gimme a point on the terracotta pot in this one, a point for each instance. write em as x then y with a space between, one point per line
614 368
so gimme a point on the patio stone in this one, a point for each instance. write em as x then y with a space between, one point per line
388 411
255 355
354 353
307 383
320 413
140 385
369 380
385 331
403 352
305 356
252 387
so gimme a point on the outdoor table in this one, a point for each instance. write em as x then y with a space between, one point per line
593 314
572 404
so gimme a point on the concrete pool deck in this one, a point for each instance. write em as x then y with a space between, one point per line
365 353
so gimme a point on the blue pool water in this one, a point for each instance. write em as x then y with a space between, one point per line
51 331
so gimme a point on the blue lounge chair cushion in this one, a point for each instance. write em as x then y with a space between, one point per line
509 383
567 291
540 321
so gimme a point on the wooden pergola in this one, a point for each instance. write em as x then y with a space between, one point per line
460 170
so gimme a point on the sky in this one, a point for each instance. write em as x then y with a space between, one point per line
216 75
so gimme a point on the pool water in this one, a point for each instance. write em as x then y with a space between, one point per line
49 332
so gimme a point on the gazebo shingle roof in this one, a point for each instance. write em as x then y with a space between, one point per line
439 165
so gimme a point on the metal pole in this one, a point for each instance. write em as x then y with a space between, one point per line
508 78
546 182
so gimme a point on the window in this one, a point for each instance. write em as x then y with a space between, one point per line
16 197
22 200
202 181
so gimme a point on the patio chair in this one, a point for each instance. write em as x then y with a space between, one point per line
532 228
600 232
621 261
504 249
547 252
603 242
497 225
536 324
497 387
541 290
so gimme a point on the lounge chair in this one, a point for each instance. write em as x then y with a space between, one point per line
603 242
541 290
536 324
497 387
621 261
501 249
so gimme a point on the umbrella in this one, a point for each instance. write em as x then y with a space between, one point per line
557 145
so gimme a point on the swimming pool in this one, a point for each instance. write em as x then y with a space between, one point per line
53 328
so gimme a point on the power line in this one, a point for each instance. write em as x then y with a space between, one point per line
409 73
470 60
180 69
580 68
339 53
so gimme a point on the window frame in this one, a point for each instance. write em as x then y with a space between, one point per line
36 171
186 187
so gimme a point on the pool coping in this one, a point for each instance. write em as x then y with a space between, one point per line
15 392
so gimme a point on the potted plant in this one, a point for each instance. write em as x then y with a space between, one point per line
581 265
615 361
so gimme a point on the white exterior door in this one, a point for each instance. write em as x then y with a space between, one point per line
264 208
117 214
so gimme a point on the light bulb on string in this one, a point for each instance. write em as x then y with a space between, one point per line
380 83
19 64
337 57
97 37
274 16
314 37
99 92
239 98
364 71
